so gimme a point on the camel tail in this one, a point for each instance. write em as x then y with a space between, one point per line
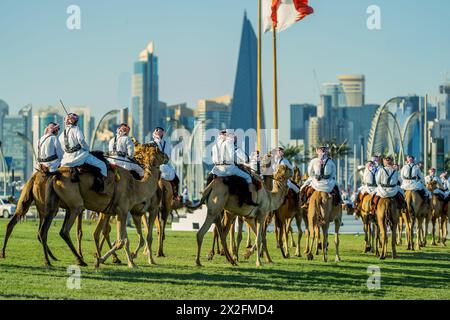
202 201
26 199
409 203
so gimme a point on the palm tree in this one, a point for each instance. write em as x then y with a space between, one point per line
293 153
336 150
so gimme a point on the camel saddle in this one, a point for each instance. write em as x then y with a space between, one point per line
401 203
308 191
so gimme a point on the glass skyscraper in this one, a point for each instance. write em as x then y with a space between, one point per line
144 95
244 107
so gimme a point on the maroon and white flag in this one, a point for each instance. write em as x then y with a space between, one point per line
284 13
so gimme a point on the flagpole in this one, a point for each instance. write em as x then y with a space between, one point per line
275 88
259 93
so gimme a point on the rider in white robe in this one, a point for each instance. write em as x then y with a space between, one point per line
280 159
76 150
50 151
121 151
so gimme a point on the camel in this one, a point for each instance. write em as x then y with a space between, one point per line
368 220
387 214
320 213
438 215
416 211
218 198
119 198
34 191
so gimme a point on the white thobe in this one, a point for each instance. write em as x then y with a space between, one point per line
74 159
49 146
167 171
412 177
121 151
225 170
387 188
324 183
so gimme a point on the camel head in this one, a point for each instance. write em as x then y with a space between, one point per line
283 173
266 161
149 155
432 185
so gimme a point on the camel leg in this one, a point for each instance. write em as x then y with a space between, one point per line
152 217
279 235
248 244
394 235
240 222
162 219
232 232
100 226
211 253
443 224
400 231
141 242
418 234
69 221
285 227
219 227
433 230
79 233
123 238
300 233
337 226
259 227
291 232
319 242
325 241
366 225
383 240
310 237
210 217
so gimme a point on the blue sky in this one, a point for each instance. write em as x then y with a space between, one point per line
197 43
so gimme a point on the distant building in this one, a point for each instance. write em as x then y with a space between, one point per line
85 122
17 144
4 110
144 95
300 114
353 88
314 133
444 103
216 112
335 91
181 116
42 118
441 130
244 109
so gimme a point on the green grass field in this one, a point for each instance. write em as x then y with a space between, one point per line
414 275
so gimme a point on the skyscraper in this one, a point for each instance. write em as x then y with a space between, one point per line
85 122
353 87
17 143
144 95
300 115
41 120
244 108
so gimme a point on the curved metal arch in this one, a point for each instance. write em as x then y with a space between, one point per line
375 123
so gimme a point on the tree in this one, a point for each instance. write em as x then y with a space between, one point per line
293 153
336 150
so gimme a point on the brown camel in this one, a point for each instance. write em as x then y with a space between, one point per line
217 198
321 213
416 211
438 214
119 198
34 191
387 215
368 220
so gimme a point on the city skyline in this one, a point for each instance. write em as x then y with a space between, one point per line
83 67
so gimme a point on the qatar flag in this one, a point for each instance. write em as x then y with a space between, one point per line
284 13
